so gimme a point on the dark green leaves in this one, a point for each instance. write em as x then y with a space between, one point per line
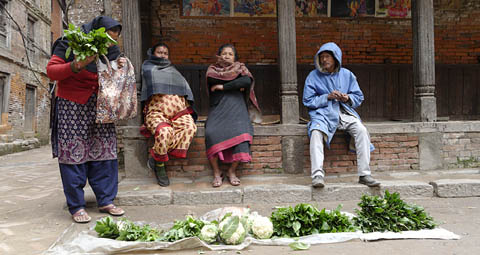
84 45
390 213
126 230
306 219
107 228
183 229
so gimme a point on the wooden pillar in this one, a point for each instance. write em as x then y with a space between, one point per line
292 146
132 44
425 106
107 7
287 60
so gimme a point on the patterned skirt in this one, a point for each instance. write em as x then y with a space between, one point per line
76 138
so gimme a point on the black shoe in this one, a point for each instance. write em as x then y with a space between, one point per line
368 180
159 169
318 182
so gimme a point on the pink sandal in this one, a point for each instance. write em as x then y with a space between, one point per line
112 210
81 216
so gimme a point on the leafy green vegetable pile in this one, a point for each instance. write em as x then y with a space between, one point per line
125 230
183 228
306 219
85 45
390 213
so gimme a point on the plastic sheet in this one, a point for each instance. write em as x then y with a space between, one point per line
75 241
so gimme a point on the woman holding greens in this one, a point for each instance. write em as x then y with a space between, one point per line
85 150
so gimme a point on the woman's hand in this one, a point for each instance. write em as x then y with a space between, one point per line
121 62
79 65
216 87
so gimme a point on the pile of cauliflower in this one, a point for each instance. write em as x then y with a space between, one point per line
233 229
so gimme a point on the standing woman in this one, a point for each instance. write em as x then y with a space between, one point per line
85 150
228 130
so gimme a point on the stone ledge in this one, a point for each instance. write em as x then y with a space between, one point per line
284 193
408 189
342 192
456 187
289 193
226 196
151 197
132 132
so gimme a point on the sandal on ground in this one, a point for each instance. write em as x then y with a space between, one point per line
112 210
81 216
217 181
234 181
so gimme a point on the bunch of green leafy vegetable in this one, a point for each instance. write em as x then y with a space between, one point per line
390 213
306 219
84 45
126 230
183 228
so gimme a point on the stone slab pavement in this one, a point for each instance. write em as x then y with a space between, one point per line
33 213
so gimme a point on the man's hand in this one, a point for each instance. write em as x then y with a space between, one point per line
334 95
337 95
216 87
344 97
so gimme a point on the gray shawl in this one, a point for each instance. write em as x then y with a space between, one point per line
159 76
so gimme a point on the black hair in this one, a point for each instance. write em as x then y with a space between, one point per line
228 45
116 29
160 44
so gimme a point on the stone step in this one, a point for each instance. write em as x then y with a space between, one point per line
294 193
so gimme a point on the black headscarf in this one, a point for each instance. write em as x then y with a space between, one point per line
61 44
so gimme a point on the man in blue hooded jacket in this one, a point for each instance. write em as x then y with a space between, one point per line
331 94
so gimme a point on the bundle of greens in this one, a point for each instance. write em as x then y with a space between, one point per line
84 45
182 229
126 230
390 213
306 219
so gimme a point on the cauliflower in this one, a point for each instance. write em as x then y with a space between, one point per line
262 227
232 230
209 233
248 221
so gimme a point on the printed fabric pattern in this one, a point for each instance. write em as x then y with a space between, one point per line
78 138
168 118
117 93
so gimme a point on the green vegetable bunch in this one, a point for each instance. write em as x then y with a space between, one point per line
182 229
306 219
85 45
107 228
126 230
390 213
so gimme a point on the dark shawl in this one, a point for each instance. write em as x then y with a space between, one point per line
61 44
228 72
159 76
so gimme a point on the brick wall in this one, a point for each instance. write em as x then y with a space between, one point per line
392 152
266 159
13 63
461 149
363 40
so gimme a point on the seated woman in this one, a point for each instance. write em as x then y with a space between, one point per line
168 112
228 130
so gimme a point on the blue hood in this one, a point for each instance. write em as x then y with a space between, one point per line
337 54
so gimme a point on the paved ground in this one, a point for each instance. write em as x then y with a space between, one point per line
33 214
